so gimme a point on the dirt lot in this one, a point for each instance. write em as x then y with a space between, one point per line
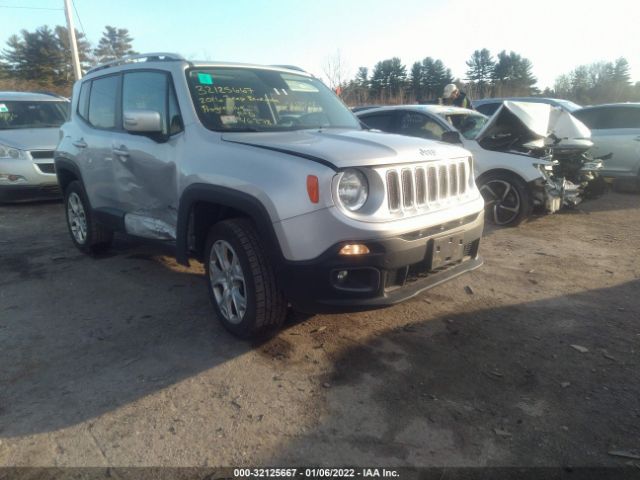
119 361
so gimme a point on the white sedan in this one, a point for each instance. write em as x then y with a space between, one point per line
513 168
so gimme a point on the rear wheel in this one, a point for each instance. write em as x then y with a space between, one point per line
241 280
87 235
506 198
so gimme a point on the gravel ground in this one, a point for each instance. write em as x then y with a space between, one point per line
531 360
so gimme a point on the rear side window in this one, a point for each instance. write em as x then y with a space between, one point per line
83 101
102 102
381 121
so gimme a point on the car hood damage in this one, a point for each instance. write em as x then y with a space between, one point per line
345 148
549 133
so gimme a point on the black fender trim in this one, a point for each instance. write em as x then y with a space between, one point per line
306 156
226 197
63 164
111 218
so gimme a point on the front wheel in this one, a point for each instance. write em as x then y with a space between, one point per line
506 198
241 280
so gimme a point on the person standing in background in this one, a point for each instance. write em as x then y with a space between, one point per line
453 96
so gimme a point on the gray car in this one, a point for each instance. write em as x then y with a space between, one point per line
265 176
615 132
29 125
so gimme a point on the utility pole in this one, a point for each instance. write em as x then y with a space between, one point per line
75 60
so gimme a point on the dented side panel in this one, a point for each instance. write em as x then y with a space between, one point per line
146 183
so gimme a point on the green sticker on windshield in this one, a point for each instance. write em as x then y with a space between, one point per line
3 108
205 79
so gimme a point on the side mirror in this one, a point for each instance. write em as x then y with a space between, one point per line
451 137
142 121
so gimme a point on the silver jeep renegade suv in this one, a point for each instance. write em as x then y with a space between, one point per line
264 175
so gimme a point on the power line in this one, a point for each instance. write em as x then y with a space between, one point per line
31 8
79 19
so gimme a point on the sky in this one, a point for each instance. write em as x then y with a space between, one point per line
555 35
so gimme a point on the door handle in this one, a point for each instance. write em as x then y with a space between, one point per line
121 152
80 143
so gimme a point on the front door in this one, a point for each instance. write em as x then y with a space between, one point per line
144 166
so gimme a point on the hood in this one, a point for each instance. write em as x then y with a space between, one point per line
31 138
524 124
346 148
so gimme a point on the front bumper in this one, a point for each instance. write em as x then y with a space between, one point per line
28 193
36 180
395 270
553 194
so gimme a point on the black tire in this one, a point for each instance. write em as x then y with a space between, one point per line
265 307
503 192
96 238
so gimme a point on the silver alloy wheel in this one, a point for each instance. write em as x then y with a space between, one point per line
501 201
227 281
77 218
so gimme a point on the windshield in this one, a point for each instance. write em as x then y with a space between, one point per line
22 114
468 124
255 100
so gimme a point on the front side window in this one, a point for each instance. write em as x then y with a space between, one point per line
418 125
146 91
102 102
590 117
629 117
16 115
468 124
488 108
252 99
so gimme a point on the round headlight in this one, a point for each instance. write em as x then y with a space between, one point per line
353 189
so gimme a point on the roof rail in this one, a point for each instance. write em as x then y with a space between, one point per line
148 57
291 67
45 92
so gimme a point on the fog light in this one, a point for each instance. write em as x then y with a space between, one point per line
342 275
354 249
12 178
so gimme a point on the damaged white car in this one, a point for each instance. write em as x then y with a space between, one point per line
527 155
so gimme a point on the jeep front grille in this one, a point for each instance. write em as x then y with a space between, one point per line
427 185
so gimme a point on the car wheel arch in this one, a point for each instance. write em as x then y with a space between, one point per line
203 205
66 172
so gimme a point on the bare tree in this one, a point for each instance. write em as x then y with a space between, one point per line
335 70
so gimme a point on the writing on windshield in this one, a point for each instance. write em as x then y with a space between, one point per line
252 99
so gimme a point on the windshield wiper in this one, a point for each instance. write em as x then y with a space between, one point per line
240 129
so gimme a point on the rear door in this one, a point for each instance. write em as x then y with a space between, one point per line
615 130
98 108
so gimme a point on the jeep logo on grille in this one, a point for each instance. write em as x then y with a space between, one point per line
426 152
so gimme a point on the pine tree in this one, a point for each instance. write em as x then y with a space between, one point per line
416 81
480 71
115 43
